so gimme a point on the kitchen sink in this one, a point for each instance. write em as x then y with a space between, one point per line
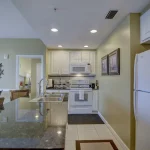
54 97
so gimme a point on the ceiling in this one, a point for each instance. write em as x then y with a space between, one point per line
73 18
12 24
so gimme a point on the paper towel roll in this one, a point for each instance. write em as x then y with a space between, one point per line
50 83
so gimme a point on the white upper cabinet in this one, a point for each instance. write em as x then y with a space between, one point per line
145 27
92 61
75 57
85 57
59 62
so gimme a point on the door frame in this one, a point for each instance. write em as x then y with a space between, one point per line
37 90
29 56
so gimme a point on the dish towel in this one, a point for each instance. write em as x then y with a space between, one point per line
81 95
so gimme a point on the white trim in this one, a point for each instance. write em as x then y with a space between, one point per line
29 56
122 144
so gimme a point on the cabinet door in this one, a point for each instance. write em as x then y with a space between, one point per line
148 24
55 62
60 62
142 27
145 26
92 61
75 57
86 57
95 100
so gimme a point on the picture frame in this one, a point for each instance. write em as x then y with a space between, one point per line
114 62
104 65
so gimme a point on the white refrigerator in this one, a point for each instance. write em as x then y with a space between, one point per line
142 100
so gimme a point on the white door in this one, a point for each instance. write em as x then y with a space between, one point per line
38 78
142 120
142 74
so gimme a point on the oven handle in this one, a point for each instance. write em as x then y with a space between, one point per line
79 90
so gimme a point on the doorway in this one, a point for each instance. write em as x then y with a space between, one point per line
29 71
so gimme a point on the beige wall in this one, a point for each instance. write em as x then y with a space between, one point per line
15 47
34 63
116 92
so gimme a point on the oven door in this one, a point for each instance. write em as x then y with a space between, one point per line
75 100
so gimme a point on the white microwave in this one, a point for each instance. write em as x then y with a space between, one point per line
82 68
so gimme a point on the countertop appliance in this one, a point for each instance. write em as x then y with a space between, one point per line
80 97
50 83
142 100
80 68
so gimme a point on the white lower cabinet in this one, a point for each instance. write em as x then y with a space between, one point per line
95 100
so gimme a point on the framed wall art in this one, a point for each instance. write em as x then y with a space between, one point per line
114 62
104 65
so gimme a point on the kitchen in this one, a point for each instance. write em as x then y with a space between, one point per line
69 72
86 92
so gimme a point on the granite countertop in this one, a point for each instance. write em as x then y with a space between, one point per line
33 125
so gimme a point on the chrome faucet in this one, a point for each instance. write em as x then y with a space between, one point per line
40 86
46 82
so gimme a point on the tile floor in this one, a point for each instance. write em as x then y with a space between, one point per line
87 132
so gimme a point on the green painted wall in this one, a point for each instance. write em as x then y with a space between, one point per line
15 47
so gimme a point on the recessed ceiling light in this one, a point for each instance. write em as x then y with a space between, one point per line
93 31
59 45
54 30
86 46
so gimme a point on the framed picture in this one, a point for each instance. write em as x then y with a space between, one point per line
114 62
104 65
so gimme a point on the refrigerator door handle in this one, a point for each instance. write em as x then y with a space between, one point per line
135 106
135 72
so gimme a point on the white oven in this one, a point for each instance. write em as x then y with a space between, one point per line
81 68
74 95
77 105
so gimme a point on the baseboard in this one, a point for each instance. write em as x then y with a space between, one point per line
122 144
